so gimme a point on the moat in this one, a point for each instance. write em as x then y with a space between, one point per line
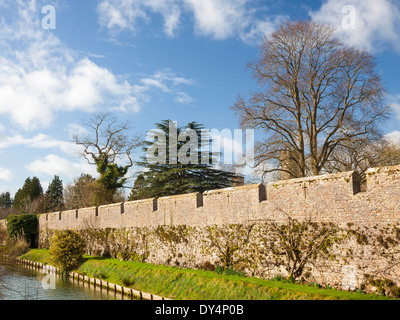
18 282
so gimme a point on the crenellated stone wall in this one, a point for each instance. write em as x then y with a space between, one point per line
181 230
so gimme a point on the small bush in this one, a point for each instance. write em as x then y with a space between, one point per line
3 236
67 249
127 281
16 247
279 278
207 266
395 292
100 275
229 271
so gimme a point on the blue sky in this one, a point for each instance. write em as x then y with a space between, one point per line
146 61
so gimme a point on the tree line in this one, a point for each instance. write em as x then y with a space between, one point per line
108 143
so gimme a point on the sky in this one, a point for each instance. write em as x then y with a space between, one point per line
63 61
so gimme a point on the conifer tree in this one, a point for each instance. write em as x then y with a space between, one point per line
173 177
54 195
5 200
30 191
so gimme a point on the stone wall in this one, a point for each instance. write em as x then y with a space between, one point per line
192 230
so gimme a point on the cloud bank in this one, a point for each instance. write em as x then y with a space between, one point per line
40 77
376 22
218 19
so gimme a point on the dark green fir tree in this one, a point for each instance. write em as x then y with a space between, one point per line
174 164
5 200
54 195
30 191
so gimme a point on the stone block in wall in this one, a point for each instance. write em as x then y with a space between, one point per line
109 216
232 205
3 224
68 219
335 187
383 180
86 218
181 209
142 213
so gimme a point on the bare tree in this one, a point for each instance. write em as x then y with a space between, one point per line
80 193
361 154
108 143
108 138
318 95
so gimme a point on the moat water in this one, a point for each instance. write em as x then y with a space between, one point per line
18 282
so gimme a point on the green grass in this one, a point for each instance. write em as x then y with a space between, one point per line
191 284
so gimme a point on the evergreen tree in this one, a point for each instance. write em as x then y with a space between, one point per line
5 200
54 194
30 191
170 177
140 189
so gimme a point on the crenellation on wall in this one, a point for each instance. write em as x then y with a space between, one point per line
87 218
178 209
68 219
333 197
232 205
110 216
337 187
383 181
142 213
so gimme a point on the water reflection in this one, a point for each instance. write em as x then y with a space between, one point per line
19 282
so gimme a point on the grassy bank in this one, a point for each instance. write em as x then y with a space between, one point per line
191 284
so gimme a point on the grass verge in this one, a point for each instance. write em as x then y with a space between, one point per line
189 284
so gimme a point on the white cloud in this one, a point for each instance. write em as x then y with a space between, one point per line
219 19
40 141
39 76
54 165
164 81
376 22
393 137
394 103
183 98
5 174
75 129
120 15
31 97
129 103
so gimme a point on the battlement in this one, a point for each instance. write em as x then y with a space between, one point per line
332 197
340 186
